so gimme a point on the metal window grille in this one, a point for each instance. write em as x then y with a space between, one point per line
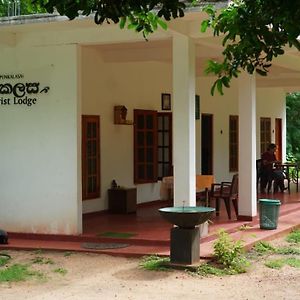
13 8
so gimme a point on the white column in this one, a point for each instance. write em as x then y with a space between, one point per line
247 147
184 121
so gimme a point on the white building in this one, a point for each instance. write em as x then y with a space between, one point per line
86 70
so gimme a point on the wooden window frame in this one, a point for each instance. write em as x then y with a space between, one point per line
145 147
265 135
84 156
233 144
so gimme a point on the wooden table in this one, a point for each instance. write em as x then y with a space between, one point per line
122 200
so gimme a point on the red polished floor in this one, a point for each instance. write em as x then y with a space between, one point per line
151 234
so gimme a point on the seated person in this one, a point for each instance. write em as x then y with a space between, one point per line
269 173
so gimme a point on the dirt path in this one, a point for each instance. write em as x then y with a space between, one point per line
91 276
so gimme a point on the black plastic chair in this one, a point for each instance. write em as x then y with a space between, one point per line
228 191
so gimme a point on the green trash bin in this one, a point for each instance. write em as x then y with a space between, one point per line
268 213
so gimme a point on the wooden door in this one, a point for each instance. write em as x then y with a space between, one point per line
265 134
278 138
206 144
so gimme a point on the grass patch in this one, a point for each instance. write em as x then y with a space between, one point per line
275 263
4 258
42 261
18 272
119 235
68 253
293 262
155 263
61 271
208 269
263 247
279 263
288 251
294 237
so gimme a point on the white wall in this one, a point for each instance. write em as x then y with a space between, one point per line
270 103
221 107
39 156
139 86
46 184
135 85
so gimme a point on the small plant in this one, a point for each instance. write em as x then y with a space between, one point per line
230 253
294 236
68 253
61 271
245 227
155 263
42 260
38 251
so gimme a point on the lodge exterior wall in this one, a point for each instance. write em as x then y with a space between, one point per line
40 149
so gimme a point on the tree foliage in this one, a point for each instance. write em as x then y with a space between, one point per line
254 32
138 15
293 125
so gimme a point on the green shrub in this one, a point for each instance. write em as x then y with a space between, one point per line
230 253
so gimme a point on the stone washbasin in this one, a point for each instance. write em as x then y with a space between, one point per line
186 216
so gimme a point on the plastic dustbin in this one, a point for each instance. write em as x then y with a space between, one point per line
268 213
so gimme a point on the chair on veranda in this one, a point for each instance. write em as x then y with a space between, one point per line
259 175
228 191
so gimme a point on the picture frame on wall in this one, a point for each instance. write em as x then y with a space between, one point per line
165 101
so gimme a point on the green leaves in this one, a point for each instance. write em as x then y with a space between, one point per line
254 32
137 15
142 22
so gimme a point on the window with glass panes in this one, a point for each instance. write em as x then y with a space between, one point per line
145 146
90 157
164 144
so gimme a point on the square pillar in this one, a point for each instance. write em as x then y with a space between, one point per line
247 147
185 245
184 121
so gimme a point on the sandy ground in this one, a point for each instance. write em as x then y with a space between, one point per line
92 276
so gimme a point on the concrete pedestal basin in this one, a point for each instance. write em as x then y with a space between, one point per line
186 217
185 238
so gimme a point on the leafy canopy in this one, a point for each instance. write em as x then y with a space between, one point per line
255 31
138 14
293 125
